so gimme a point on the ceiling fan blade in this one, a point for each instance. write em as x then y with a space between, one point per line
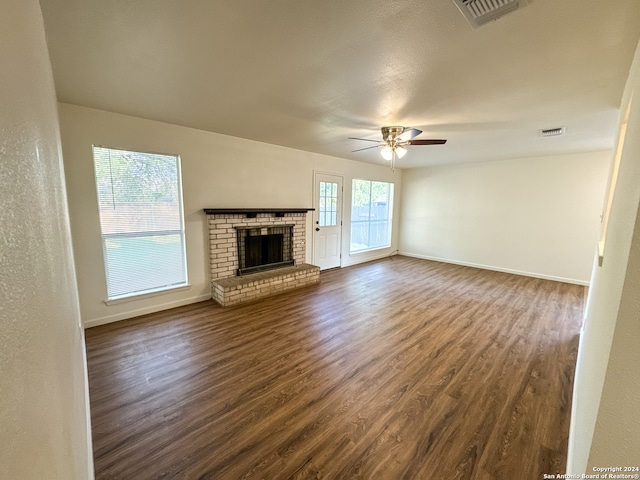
363 139
409 134
366 148
426 142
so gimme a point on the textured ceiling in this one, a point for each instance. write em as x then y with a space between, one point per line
307 74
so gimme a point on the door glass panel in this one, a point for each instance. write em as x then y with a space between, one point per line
328 204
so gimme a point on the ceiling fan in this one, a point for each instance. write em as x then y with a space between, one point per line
395 140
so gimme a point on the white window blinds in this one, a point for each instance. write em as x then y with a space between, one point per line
141 218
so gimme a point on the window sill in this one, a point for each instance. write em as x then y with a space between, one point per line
148 294
366 250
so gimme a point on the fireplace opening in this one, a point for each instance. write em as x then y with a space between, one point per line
264 248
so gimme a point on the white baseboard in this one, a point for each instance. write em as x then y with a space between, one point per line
94 322
499 269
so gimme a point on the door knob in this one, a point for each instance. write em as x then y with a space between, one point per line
317 229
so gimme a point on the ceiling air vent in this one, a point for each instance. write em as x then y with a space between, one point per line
479 12
552 132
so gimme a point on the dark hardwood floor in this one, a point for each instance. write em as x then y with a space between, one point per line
395 369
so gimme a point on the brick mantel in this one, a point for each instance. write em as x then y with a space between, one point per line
253 212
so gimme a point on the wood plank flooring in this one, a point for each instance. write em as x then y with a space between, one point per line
396 369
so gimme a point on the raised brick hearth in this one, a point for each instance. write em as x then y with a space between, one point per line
227 288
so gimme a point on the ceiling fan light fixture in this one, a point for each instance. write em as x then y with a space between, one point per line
386 152
396 139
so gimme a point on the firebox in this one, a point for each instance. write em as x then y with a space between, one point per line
264 248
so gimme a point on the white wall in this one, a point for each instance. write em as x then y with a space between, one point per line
532 216
605 416
44 412
217 171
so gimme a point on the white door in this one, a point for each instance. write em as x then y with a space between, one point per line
327 220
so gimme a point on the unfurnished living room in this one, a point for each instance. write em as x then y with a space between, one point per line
328 240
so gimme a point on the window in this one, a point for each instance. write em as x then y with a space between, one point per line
141 219
328 216
371 207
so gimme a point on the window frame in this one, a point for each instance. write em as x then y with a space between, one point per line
105 237
370 218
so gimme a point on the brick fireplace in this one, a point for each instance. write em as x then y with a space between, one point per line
264 235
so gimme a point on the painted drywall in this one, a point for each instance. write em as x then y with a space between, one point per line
44 411
605 414
616 438
217 171
532 216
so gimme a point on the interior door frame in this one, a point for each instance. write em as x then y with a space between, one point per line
317 211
